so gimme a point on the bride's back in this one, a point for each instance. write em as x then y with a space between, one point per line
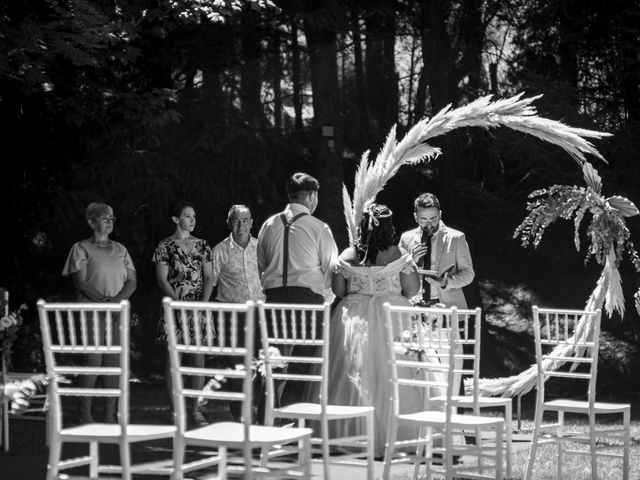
383 258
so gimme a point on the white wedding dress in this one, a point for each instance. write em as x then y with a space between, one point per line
359 371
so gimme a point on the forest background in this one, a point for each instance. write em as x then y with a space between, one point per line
138 103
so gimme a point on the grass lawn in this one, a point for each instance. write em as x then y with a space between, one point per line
27 458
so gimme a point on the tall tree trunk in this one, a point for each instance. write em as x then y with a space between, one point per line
568 50
421 95
438 55
250 74
412 72
630 72
327 150
448 59
472 30
295 74
276 73
381 77
362 114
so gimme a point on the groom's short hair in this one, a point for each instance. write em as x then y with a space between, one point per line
301 183
426 200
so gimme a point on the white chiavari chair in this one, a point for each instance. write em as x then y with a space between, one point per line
300 333
468 371
571 338
425 352
219 331
69 331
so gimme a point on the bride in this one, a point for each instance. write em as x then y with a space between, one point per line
368 274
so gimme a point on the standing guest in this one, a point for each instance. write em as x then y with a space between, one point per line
295 254
235 260
434 246
102 271
235 270
184 271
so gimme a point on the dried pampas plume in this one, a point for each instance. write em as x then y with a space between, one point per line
516 113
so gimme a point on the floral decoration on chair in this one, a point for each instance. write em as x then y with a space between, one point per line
257 366
275 357
9 325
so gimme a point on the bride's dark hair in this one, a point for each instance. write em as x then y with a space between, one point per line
375 233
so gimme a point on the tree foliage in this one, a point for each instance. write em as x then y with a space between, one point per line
138 103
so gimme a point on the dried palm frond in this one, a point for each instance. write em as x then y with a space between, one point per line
526 380
609 240
516 113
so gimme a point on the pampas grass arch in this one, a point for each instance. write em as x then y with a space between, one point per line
607 231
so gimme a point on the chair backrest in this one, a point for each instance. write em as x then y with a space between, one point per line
284 326
468 357
421 345
72 330
569 338
219 332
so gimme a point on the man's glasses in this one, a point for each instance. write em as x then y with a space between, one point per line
107 219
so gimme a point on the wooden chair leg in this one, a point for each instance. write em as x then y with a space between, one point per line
592 446
125 461
324 433
508 427
370 446
389 451
421 449
560 444
626 425
534 444
178 459
93 459
499 451
55 449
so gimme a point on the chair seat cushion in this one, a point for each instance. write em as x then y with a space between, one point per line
468 400
312 411
437 419
111 432
583 406
230 433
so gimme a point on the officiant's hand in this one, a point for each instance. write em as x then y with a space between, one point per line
419 251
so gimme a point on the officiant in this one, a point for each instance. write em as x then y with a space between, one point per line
441 250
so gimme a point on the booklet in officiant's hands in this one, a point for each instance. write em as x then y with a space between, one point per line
435 274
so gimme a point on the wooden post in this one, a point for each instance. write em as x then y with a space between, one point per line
4 402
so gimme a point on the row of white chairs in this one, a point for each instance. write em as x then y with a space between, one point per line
442 345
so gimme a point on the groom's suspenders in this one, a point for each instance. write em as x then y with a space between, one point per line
285 245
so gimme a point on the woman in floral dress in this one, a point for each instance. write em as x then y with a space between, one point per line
184 271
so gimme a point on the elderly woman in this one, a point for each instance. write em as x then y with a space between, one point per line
184 271
102 271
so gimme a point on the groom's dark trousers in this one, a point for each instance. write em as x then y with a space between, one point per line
292 392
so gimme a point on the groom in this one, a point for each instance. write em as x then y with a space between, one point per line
295 254
434 246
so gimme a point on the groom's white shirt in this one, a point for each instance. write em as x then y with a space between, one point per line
312 252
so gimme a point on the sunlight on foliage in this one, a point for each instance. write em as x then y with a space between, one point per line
607 230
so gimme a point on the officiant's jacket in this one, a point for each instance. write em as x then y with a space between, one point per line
448 247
